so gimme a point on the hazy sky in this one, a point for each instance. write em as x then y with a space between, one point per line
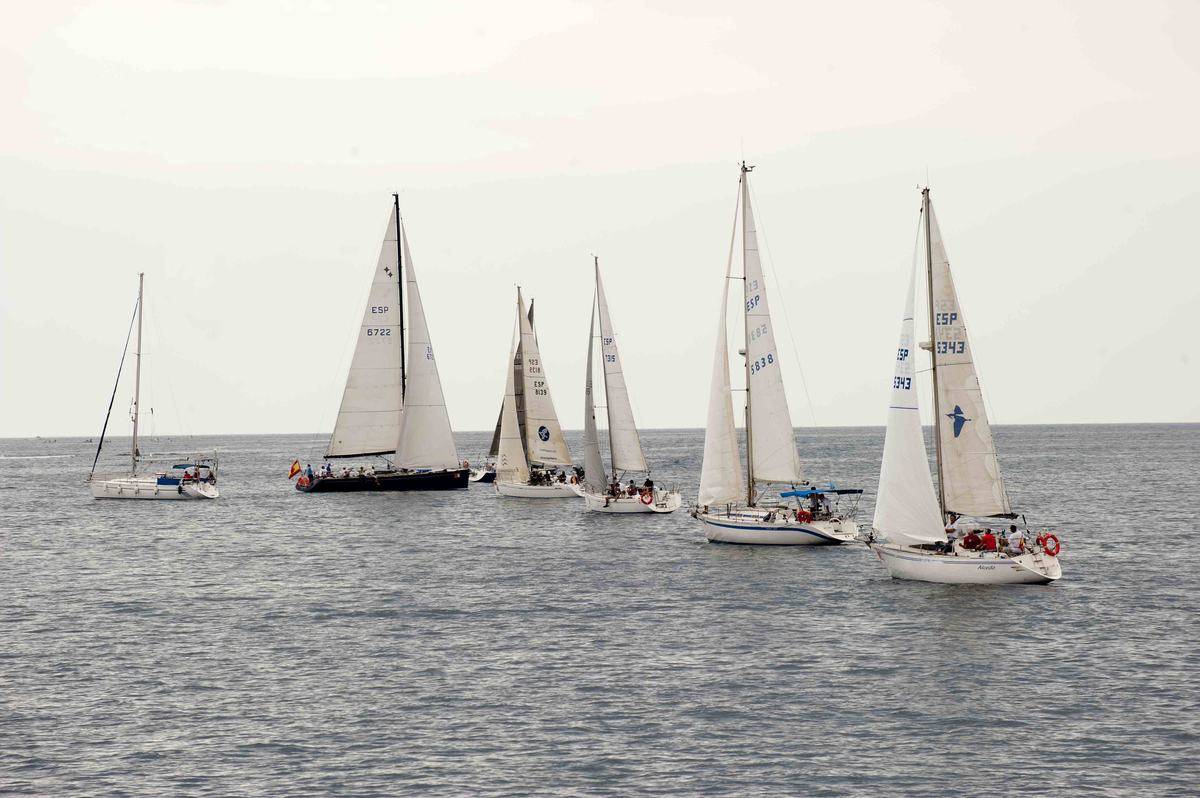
243 156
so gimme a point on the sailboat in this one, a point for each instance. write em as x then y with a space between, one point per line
194 479
733 510
909 534
531 448
624 446
486 472
392 405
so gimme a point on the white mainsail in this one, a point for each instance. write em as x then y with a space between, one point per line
593 465
772 440
970 471
623 440
426 440
511 465
544 442
721 472
368 420
906 509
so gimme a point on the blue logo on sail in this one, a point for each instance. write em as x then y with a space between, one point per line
959 419
544 433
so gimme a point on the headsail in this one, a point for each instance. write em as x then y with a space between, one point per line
627 454
906 509
518 359
368 420
511 465
772 439
721 472
970 471
593 465
544 442
426 440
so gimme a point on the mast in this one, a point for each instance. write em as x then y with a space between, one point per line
937 427
400 289
607 402
746 341
137 378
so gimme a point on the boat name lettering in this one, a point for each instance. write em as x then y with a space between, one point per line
987 568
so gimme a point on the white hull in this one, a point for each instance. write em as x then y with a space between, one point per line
662 502
559 490
968 568
148 488
751 527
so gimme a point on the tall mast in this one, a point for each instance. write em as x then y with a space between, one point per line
603 370
937 427
746 340
400 289
137 379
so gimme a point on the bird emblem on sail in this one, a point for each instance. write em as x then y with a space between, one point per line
544 434
958 418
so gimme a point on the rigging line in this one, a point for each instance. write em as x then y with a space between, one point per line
786 318
117 384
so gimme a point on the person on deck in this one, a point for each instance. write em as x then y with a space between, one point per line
1016 541
632 491
648 484
971 541
308 472
988 540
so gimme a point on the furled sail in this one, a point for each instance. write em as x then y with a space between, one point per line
721 473
906 509
970 472
544 442
627 454
426 440
773 443
511 465
368 420
593 465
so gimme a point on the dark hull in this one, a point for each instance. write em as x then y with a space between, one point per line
490 476
391 480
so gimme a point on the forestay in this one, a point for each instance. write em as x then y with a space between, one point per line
906 509
593 465
773 443
544 442
426 440
368 420
625 445
970 472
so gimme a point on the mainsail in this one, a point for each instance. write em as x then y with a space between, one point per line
772 440
623 440
426 440
906 509
970 472
593 464
368 420
544 442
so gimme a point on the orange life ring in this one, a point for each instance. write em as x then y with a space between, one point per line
648 497
1051 544
803 516
302 482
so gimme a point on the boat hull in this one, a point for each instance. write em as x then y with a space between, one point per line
558 490
148 488
984 568
753 529
662 502
483 475
450 479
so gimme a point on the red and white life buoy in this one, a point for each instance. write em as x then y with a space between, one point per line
302 482
803 516
647 497
1051 544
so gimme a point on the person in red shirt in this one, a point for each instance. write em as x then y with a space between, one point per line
972 541
988 540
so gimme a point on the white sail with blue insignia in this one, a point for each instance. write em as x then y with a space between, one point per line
906 508
426 440
970 471
773 444
368 420
544 442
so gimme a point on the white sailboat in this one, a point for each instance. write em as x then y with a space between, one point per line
600 494
909 534
194 479
392 406
531 447
733 510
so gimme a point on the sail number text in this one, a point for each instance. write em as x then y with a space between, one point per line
379 308
539 388
379 331
902 354
951 347
945 319
762 363
902 382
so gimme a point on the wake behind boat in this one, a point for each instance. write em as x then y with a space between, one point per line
624 444
771 456
532 451
392 405
910 535
194 479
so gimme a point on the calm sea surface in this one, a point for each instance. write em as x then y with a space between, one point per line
275 644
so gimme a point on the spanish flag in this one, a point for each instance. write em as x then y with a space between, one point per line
295 469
